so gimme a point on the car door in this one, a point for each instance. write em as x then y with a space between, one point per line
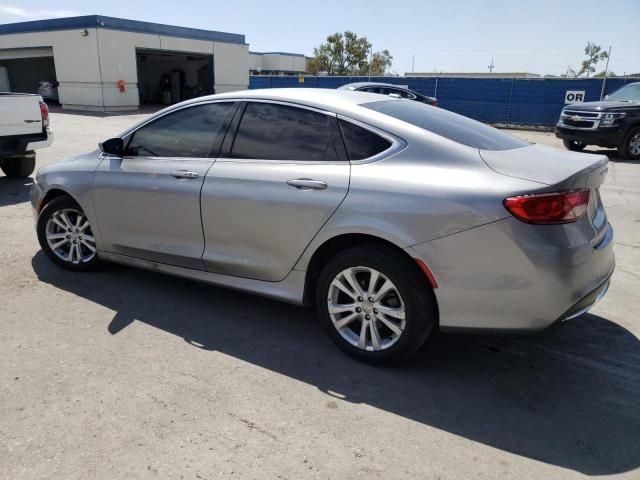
275 184
148 202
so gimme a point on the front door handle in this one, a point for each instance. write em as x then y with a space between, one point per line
307 184
184 174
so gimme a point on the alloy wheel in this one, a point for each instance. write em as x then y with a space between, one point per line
634 145
69 236
366 308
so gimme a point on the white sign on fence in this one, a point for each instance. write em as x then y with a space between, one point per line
574 96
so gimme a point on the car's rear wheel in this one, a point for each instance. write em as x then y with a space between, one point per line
66 236
376 304
630 149
574 145
19 166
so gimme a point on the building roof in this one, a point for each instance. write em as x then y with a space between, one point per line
112 23
251 52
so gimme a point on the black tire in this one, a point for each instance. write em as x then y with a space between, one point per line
574 145
412 285
54 206
19 166
624 150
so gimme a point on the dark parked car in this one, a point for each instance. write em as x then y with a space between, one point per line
611 123
389 89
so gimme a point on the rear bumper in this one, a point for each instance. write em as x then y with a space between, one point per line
509 276
586 303
604 138
20 144
44 141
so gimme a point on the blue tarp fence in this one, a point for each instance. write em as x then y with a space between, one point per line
517 101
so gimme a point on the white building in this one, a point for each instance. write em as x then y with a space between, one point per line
277 63
106 63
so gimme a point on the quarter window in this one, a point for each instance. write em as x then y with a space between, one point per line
190 132
362 143
270 131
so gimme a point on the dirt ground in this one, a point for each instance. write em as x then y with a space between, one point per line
130 374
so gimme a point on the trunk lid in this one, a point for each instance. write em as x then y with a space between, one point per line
550 166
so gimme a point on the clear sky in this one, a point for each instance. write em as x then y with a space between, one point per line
448 35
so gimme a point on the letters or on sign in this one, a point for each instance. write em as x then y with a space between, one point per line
574 96
300 79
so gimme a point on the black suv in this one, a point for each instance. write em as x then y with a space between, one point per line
611 123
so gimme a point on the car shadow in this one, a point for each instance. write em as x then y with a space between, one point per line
568 397
14 190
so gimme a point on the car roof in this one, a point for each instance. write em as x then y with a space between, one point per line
320 98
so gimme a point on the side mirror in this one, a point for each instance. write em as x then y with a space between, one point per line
113 146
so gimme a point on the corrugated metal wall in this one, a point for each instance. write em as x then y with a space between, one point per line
519 101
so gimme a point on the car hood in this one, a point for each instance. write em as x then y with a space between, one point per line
602 106
548 166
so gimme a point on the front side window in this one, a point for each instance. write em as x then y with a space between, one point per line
271 131
189 132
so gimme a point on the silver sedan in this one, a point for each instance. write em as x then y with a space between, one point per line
392 217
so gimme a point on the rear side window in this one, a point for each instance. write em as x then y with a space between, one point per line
190 132
448 124
270 131
362 143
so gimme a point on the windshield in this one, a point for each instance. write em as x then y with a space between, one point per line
628 93
450 125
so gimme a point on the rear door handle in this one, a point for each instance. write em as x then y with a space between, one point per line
307 184
184 174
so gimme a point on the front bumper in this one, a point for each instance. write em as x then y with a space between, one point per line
611 137
509 276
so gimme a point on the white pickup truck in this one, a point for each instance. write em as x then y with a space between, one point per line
24 127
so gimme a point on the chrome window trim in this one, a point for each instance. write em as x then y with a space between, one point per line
397 144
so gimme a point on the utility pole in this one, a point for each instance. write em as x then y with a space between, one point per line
413 63
606 71
491 67
370 60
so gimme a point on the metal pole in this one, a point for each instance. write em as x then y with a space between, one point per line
435 90
513 80
370 60
606 70
413 63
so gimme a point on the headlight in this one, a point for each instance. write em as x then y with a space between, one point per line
608 119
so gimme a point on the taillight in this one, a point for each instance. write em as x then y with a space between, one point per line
434 103
549 208
44 114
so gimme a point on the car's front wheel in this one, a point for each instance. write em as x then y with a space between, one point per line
574 145
630 149
376 304
66 236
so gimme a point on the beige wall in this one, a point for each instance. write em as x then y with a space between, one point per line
270 62
89 67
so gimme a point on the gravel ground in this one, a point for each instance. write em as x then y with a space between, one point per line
130 374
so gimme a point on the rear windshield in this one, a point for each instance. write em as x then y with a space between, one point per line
447 124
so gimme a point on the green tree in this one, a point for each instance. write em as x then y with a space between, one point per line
594 55
347 54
